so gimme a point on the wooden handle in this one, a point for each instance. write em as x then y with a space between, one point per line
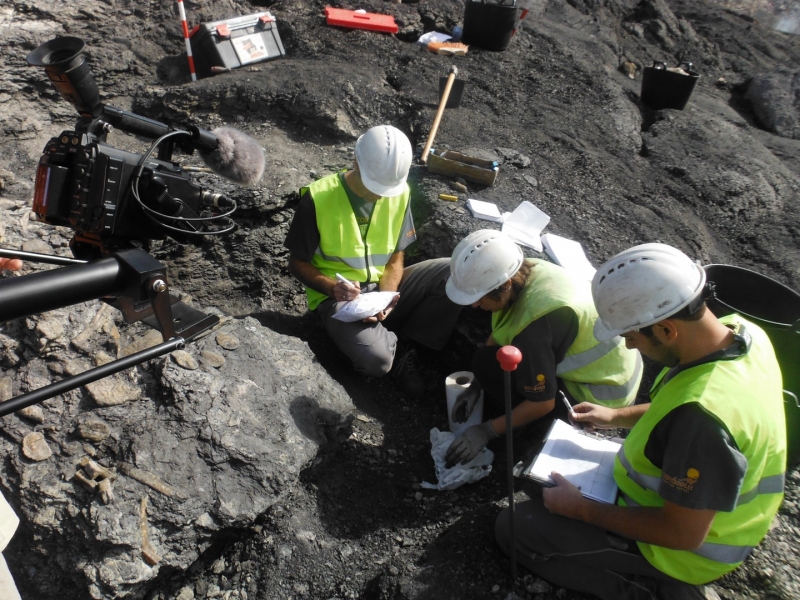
445 95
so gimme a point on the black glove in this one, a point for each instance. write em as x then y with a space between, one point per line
469 444
465 403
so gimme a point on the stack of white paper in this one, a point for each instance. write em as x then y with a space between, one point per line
487 211
569 254
525 225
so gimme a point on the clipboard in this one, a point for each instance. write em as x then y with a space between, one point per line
584 459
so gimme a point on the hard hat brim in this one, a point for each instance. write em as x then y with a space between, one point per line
384 191
459 297
603 333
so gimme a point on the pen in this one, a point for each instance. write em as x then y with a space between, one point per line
569 408
343 279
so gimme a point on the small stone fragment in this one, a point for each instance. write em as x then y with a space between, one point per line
227 341
186 593
459 187
95 470
150 480
212 359
6 389
185 360
149 553
112 391
151 338
50 329
93 429
34 413
35 447
86 481
106 493
629 68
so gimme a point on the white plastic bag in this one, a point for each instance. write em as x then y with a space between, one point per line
457 475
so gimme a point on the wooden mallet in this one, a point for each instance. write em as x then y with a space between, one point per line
445 95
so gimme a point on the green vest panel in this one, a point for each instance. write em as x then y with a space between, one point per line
604 373
746 395
341 247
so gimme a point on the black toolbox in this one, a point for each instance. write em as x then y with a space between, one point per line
220 46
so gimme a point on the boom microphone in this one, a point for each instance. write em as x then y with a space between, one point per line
237 157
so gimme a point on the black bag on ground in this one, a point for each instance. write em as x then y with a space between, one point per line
489 24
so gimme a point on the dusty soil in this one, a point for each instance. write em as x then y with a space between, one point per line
573 138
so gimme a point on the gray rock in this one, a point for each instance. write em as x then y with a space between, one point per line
776 101
237 437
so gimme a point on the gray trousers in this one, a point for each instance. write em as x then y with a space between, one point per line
424 314
582 557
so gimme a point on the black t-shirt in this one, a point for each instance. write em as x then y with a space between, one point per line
702 467
543 344
303 237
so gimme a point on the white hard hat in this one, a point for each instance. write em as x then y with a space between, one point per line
642 286
482 262
384 158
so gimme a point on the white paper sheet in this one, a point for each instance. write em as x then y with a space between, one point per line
569 254
366 305
525 225
585 461
487 211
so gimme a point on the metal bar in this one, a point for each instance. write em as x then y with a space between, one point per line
40 258
40 292
510 475
66 385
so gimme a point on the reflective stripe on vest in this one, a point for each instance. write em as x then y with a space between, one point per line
744 393
718 552
616 392
342 248
357 262
592 371
771 484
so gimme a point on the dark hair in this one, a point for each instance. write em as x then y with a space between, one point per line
518 281
684 314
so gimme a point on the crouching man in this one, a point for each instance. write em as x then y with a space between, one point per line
701 472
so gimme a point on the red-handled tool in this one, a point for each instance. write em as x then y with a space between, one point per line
509 357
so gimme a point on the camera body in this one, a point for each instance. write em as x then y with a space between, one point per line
85 184
115 199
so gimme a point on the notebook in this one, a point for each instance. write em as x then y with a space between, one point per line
569 254
585 460
487 211
525 225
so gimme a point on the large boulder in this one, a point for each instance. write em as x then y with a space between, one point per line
775 98
141 472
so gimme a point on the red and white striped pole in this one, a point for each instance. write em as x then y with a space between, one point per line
185 28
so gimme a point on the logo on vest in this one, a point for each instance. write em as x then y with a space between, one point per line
684 484
539 387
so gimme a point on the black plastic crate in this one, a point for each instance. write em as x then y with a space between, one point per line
233 43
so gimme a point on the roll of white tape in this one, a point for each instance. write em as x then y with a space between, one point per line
454 385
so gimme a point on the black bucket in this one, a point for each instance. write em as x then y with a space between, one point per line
667 89
489 24
776 309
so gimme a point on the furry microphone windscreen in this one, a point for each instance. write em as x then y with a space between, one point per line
238 157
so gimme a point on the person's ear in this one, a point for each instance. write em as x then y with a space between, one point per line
665 331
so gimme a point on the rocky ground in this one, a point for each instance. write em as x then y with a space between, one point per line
347 518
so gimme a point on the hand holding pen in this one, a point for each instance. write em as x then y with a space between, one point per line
345 290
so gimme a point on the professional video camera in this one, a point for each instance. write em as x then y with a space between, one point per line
110 196
116 202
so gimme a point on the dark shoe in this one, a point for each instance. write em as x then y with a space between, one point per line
408 373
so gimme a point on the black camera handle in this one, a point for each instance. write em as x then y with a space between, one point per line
130 280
